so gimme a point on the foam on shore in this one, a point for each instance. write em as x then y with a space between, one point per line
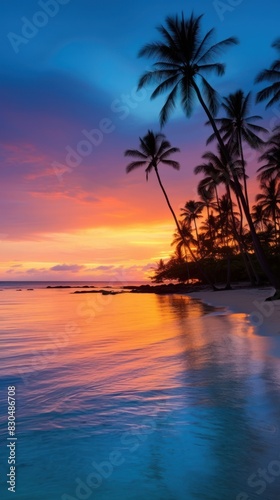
264 316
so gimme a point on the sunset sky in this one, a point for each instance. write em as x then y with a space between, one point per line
79 72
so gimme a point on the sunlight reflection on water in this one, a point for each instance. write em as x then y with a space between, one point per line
90 369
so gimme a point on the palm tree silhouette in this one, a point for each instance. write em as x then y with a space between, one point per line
208 186
180 242
217 171
155 149
184 57
190 213
237 127
269 201
259 220
271 156
272 75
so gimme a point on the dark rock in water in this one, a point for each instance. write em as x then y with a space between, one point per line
59 286
70 286
276 296
19 290
104 292
162 289
29 289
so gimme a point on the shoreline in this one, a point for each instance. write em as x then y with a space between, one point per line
263 315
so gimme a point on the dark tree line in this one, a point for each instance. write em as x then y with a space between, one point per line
221 225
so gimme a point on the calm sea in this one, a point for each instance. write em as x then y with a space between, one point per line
135 397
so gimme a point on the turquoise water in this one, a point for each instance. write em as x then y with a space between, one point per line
137 397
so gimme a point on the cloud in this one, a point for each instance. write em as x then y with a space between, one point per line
73 268
34 270
101 268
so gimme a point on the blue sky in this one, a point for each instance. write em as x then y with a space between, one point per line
80 68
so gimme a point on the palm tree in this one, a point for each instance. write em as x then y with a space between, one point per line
237 127
219 171
184 57
271 75
210 227
207 196
258 217
271 156
269 200
192 211
185 234
154 149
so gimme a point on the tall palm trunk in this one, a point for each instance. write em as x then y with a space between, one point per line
196 232
274 280
241 153
275 224
228 285
252 273
180 231
240 242
220 212
209 225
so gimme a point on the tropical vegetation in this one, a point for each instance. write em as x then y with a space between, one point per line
221 235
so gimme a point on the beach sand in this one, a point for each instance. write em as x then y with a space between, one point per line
264 316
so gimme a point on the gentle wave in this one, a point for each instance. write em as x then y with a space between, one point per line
186 396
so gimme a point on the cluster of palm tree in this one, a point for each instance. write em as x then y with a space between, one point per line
184 56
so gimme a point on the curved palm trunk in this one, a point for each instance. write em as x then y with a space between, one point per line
246 254
196 232
180 232
240 147
219 210
275 224
274 280
209 225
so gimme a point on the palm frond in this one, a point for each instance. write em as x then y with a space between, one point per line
169 106
134 164
218 68
269 75
212 97
188 96
174 164
134 153
217 49
203 44
162 87
276 44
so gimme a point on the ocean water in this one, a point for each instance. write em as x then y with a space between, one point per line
136 397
